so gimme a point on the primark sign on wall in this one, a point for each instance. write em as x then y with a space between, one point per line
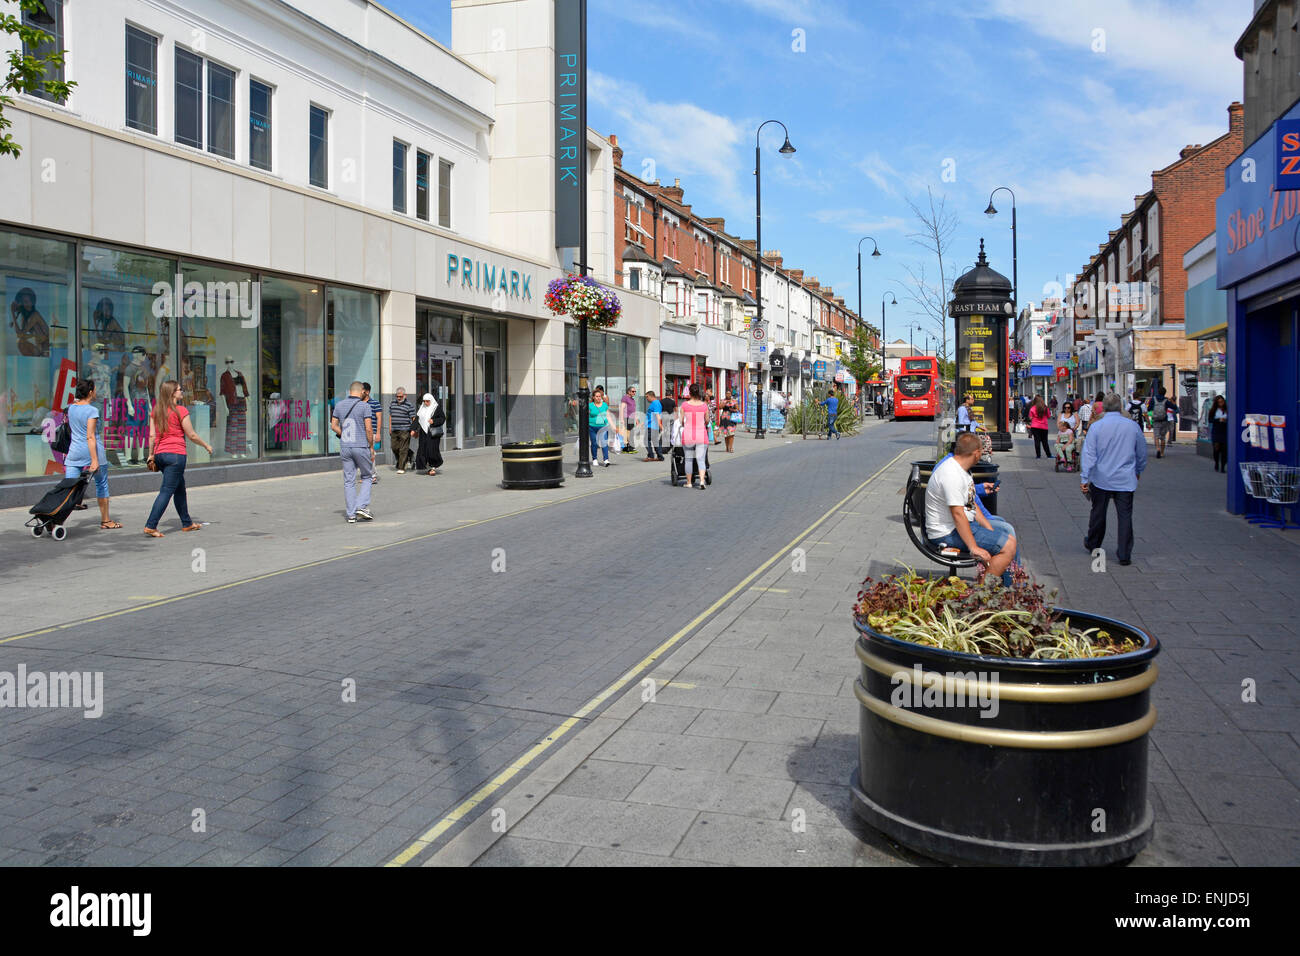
1255 220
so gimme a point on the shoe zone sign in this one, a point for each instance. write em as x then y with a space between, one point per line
1258 213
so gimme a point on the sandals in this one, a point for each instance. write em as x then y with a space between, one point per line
109 525
153 532
192 527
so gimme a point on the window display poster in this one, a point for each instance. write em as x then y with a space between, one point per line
981 341
35 342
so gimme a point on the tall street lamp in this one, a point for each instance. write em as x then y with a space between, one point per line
883 355
875 254
1015 278
786 150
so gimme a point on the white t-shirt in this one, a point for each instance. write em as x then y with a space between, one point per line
949 485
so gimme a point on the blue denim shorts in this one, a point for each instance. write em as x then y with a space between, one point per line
991 541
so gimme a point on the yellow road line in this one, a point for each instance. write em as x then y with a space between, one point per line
430 836
773 590
469 523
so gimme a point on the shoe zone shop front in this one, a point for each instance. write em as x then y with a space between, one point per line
259 356
1257 222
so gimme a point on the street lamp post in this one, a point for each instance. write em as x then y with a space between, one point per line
883 354
875 253
1015 277
786 150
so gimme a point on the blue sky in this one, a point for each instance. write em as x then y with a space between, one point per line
1071 103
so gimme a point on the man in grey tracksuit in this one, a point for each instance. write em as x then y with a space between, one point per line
351 421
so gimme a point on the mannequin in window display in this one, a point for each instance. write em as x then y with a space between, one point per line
135 381
105 328
274 412
29 325
99 372
234 390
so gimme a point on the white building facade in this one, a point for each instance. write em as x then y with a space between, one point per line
268 200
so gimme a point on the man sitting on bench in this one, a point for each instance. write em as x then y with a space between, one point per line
953 519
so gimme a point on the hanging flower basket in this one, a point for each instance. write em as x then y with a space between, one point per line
582 297
1018 357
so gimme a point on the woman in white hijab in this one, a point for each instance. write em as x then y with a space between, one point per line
432 423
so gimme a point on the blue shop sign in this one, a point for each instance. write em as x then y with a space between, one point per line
1046 371
1255 218
819 370
1287 163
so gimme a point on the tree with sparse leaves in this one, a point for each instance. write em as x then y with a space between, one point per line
27 73
864 356
934 235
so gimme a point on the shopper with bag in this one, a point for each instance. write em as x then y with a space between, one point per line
1161 412
169 427
730 416
433 422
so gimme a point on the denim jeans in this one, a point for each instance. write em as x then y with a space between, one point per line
172 467
599 433
101 476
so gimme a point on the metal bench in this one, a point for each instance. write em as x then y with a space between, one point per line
914 522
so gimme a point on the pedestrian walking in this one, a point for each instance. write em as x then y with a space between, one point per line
715 432
1159 411
352 422
653 411
832 403
953 519
598 424
376 420
695 435
1039 415
401 422
1052 405
1114 457
728 421
628 407
86 453
433 422
1085 415
1098 406
170 426
1219 432
667 415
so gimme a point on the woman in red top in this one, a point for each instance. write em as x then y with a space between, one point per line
171 425
695 433
1038 416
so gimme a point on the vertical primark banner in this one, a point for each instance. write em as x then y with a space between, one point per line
570 129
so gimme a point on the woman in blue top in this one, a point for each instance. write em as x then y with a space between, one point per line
87 449
598 424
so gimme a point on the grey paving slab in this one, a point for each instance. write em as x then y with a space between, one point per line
583 821
518 851
709 790
603 779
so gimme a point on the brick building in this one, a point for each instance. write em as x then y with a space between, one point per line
705 278
1128 301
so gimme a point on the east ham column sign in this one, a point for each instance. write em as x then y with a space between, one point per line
981 306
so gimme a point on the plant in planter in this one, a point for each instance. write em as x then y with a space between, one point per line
533 464
998 729
582 297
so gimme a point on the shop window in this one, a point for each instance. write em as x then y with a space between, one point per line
634 280
218 359
318 145
141 80
188 99
259 125
221 111
121 312
351 345
36 366
53 26
292 393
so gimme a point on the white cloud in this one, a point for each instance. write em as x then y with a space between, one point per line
1188 42
682 139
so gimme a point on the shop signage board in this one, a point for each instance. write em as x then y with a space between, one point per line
1287 165
570 120
1255 215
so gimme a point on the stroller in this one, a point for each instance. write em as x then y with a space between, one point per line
1067 452
677 459
53 509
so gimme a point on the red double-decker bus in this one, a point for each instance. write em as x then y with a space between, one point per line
916 392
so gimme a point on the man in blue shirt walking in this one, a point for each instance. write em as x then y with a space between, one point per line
1114 457
832 403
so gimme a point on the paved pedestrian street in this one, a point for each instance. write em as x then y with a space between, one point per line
324 693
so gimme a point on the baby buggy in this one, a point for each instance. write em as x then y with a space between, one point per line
677 467
1067 451
53 509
